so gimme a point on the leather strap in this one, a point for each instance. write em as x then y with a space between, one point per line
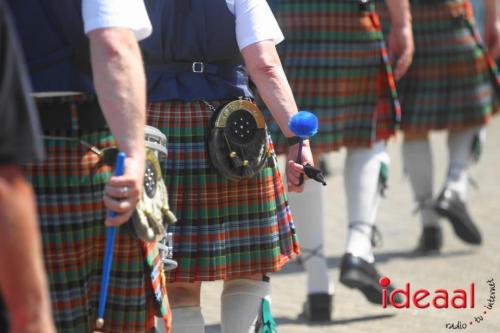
63 114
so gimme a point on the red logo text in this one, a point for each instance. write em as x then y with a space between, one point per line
424 298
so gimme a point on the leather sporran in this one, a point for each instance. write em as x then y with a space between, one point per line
152 214
238 142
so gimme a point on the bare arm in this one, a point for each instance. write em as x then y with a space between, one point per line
492 27
264 66
401 45
22 276
120 83
492 9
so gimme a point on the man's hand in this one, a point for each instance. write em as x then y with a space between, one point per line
294 170
401 47
122 193
492 37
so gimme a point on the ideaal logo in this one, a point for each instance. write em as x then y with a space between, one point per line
423 298
439 299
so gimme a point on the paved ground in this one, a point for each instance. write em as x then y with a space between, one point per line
456 267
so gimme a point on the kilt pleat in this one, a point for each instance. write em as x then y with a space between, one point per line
453 83
69 190
226 229
336 62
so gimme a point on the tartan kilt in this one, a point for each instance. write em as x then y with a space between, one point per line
69 191
452 83
335 59
225 229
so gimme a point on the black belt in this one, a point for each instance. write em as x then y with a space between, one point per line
194 67
58 113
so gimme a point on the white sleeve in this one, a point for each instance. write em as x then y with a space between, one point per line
116 13
255 22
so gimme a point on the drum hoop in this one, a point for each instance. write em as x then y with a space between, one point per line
155 139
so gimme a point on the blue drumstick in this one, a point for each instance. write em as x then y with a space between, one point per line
108 254
303 124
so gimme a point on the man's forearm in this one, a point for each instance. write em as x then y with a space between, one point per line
399 11
22 277
120 84
492 10
265 69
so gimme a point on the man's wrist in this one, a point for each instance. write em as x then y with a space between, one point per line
401 23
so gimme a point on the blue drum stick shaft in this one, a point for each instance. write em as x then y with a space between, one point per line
108 254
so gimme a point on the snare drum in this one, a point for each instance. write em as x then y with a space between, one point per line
155 140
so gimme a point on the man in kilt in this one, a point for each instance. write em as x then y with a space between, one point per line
338 67
236 231
452 85
23 283
84 62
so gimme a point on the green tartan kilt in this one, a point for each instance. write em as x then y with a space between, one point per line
452 83
226 229
69 191
335 59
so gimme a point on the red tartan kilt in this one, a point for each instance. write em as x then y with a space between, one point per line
226 229
336 62
452 83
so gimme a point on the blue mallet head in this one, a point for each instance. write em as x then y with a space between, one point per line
303 124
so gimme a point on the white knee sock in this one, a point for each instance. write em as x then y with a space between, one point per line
362 186
307 210
241 304
461 150
187 320
417 159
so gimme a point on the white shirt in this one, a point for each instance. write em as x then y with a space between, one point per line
255 22
116 13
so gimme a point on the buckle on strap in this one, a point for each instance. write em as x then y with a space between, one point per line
198 67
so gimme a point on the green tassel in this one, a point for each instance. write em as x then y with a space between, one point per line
383 177
268 323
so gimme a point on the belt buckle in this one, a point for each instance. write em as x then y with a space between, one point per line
198 67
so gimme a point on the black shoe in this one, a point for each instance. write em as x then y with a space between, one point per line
357 273
431 240
453 208
318 307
